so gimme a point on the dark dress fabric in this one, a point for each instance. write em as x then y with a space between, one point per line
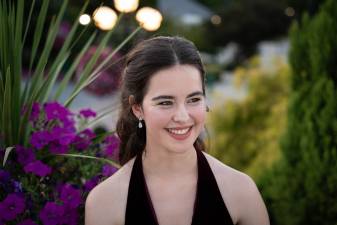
209 207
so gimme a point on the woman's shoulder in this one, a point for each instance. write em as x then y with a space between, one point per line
106 203
226 173
239 193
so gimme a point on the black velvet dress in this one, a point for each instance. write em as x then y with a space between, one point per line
209 207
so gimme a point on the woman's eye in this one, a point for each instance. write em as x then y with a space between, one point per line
165 103
194 100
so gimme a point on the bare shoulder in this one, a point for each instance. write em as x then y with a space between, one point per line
240 194
106 203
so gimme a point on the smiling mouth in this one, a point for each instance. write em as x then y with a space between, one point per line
179 133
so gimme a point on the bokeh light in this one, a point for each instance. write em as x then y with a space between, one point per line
149 18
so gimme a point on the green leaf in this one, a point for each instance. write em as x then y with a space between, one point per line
50 81
38 31
72 68
42 62
92 157
7 151
88 79
6 109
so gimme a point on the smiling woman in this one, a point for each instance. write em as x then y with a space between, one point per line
166 177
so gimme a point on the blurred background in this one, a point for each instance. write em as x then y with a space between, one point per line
271 77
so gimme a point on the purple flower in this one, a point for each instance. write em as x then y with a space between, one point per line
70 216
70 196
13 205
87 113
83 139
64 135
27 222
38 168
5 183
112 144
56 148
34 115
52 214
24 155
90 184
108 170
4 177
17 186
39 139
54 110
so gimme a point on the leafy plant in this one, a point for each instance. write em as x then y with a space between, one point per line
245 132
42 143
13 97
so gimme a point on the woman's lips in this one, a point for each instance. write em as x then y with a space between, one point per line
179 133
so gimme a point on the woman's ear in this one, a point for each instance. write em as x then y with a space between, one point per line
136 108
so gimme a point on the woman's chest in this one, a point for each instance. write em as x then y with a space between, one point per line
173 203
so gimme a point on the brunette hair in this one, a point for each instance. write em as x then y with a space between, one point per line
147 58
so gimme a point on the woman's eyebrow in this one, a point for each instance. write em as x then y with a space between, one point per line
166 97
162 97
195 93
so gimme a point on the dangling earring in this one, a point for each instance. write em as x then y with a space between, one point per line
140 125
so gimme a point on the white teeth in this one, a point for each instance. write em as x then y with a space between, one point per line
175 131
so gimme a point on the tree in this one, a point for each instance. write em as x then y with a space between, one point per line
245 133
301 189
248 22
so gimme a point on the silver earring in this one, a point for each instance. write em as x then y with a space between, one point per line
140 125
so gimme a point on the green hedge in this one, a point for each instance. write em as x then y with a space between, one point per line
302 187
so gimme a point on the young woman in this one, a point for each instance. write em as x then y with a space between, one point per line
166 177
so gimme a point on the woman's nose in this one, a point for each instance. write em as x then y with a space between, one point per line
181 114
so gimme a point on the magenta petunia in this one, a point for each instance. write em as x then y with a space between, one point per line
108 170
83 139
111 146
24 155
90 184
52 214
70 216
27 222
38 168
12 206
56 148
64 135
87 113
4 176
34 115
39 139
55 110
70 196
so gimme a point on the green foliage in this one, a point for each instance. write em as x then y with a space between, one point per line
214 4
195 33
245 133
248 22
301 188
44 68
301 6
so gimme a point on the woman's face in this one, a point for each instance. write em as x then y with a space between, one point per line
174 109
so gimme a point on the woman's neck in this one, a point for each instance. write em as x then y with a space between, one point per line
169 164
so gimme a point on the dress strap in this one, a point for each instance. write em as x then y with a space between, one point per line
139 209
209 205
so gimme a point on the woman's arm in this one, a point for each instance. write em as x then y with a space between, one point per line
96 209
252 210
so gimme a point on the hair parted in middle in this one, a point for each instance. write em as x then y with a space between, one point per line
144 60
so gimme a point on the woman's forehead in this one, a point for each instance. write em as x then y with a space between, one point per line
179 78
